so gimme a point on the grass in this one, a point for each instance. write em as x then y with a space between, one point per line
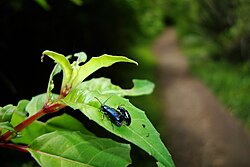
230 82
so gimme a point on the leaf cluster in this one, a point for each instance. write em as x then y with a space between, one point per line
63 140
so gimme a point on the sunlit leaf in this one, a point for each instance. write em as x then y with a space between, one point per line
96 63
141 132
141 87
64 64
75 149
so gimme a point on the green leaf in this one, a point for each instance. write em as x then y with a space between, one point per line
160 164
81 57
64 64
141 87
75 149
96 63
66 122
6 126
21 107
78 2
36 104
141 132
57 69
31 132
44 4
6 113
37 128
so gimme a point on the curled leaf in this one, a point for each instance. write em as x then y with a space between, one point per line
64 64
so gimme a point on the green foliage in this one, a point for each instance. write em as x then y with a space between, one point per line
141 132
38 128
150 15
75 149
6 113
224 25
218 31
229 83
43 3
63 139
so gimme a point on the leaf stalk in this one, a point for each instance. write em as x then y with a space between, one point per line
47 108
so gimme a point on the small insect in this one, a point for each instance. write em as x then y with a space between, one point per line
117 117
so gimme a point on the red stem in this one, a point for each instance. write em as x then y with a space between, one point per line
46 109
14 146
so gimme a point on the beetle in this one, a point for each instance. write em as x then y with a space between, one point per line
125 115
117 116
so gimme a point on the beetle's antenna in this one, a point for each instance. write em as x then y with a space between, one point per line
98 100
107 99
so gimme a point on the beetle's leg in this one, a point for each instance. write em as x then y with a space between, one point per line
102 116
112 125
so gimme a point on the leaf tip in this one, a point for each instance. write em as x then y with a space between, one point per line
46 52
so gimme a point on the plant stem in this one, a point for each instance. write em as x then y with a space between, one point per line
46 109
14 146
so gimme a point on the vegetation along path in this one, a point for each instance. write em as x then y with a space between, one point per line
201 133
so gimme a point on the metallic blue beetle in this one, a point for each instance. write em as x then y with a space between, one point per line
117 117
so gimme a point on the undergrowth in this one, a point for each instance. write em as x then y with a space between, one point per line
229 81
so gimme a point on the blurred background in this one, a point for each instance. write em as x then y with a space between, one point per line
214 36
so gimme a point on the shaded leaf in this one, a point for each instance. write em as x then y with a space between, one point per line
57 69
78 2
36 104
29 133
44 4
6 113
37 128
75 149
6 126
81 57
21 107
66 122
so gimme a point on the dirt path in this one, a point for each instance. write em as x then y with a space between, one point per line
201 132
